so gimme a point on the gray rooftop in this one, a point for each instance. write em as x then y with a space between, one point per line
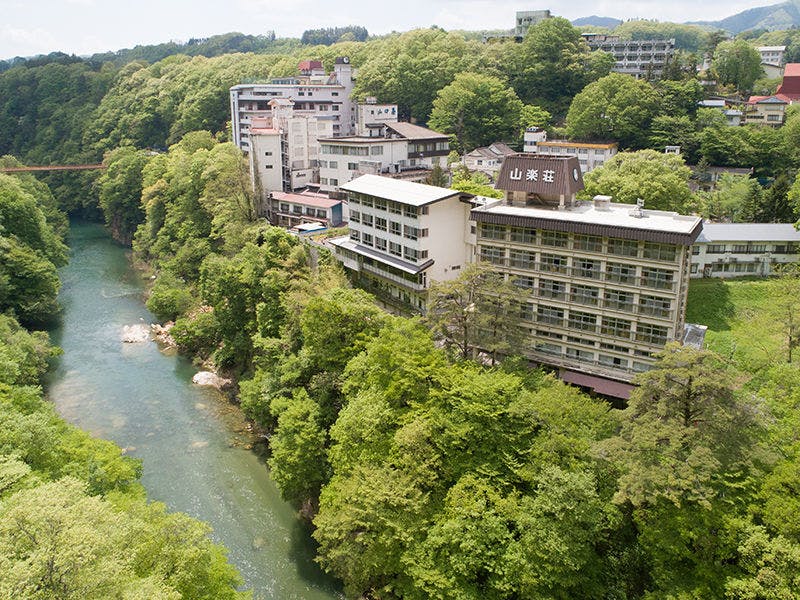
405 192
748 232
408 267
616 220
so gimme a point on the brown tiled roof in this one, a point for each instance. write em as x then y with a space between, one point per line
546 176
306 199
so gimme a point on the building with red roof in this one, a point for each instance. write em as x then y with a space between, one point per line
790 88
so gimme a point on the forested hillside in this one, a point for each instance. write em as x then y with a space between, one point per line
74 521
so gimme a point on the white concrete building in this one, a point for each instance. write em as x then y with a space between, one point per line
285 148
590 155
290 210
400 150
403 236
772 55
744 249
487 159
639 58
603 285
525 19
313 92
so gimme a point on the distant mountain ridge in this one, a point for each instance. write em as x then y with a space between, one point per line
775 16
595 21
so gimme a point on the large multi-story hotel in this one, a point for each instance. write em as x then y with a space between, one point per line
313 92
602 285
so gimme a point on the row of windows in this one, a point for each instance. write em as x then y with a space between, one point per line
393 227
580 267
590 296
393 248
299 210
586 243
589 357
745 248
395 208
346 150
583 321
414 147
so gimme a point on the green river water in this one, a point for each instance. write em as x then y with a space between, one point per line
190 439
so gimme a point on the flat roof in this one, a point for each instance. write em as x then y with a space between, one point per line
306 199
408 267
615 220
415 132
749 232
398 190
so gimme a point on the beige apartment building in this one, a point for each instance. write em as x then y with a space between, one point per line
604 285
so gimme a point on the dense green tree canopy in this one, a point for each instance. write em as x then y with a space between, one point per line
737 63
661 180
477 110
616 107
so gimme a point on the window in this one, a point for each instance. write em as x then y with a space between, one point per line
552 316
526 311
621 273
395 249
618 300
410 232
380 223
394 227
524 282
657 278
547 348
587 243
585 267
333 164
410 253
553 263
522 259
583 355
380 204
493 254
585 294
410 211
267 166
623 247
552 289
715 249
380 244
284 207
651 334
620 328
366 219
395 208
554 238
612 361
355 216
267 153
665 252
523 236
757 248
366 239
582 320
334 181
655 306
352 166
376 150
740 248
355 235
493 232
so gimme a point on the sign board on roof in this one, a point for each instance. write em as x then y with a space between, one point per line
546 176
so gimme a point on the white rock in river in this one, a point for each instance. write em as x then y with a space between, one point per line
135 334
210 379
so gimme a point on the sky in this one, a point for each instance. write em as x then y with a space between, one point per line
87 26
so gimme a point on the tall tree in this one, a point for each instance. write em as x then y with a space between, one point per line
737 63
661 180
616 107
478 110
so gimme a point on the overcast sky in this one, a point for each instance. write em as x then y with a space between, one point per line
88 26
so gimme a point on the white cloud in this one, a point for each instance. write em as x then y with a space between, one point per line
18 41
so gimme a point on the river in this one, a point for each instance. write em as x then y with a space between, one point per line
190 439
